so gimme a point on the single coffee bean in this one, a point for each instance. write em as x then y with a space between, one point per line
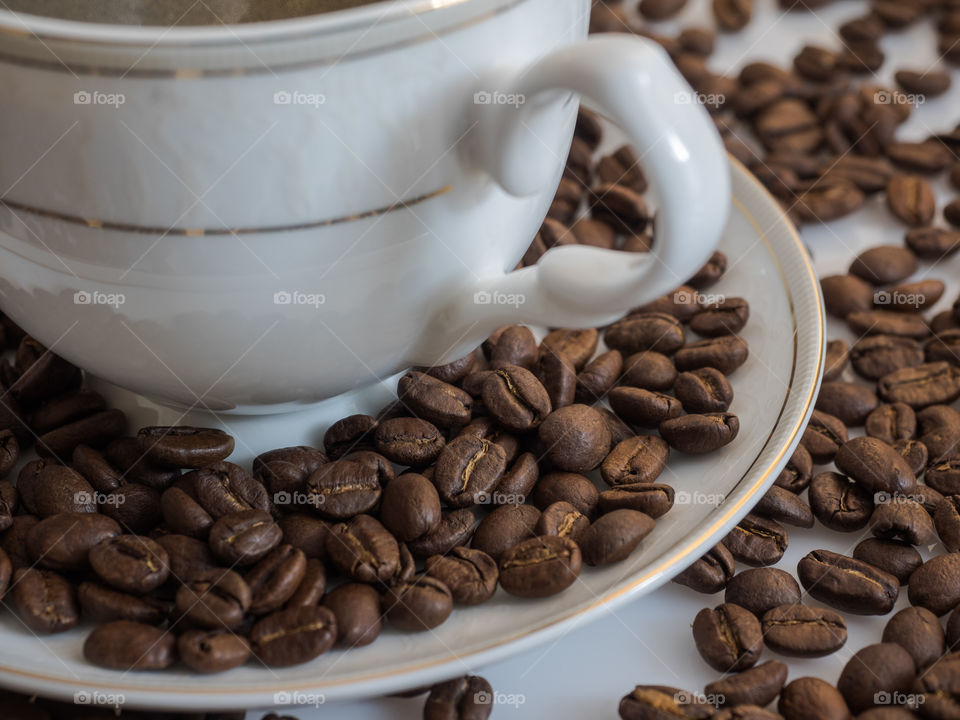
640 459
938 427
620 207
839 504
245 537
935 585
892 556
706 390
727 317
732 15
506 527
809 698
725 353
312 585
850 402
214 598
285 470
183 513
97 430
434 400
728 637
411 506
649 498
578 345
515 344
9 452
63 541
876 466
599 375
656 701
926 158
65 409
516 398
613 536
700 434
464 698
559 378
796 475
757 541
643 408
562 518
125 645
710 573
900 518
293 636
467 471
910 198
892 423
762 589
803 631
873 672
918 631
938 688
846 294
46 489
659 332
101 604
944 347
44 600
540 567
421 604
185 447
649 370
931 243
947 520
884 265
454 528
276 578
354 432
710 273
356 607
408 441
341 489
125 454
187 557
224 488
875 356
781 505
130 563
837 358
912 297
212 651
929 82
885 322
757 686
471 575
363 549
576 438
847 584
682 303
929 384
573 488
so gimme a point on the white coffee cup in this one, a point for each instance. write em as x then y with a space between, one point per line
255 217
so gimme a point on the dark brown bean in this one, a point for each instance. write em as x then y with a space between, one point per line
126 645
847 584
540 567
293 636
803 631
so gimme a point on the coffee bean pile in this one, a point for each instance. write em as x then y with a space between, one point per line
822 141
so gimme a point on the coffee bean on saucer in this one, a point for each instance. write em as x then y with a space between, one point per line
44 600
312 586
936 687
455 528
648 370
847 584
185 447
102 604
212 651
354 432
434 400
64 541
245 537
699 434
659 332
130 563
125 645
363 549
613 536
126 456
540 567
468 470
727 317
224 488
214 598
943 347
97 429
408 441
285 470
293 636
840 504
761 589
576 438
710 273
598 376
803 631
873 671
757 686
578 345
356 607
420 604
471 575
276 578
706 390
341 489
918 631
809 698
892 556
620 207
468 697
710 573
757 541
516 398
47 489
643 408
725 353
188 557
640 459
728 637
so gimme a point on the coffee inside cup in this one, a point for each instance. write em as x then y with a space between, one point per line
179 12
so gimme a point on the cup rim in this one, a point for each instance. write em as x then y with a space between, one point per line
41 27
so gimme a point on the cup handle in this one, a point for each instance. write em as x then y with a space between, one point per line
633 81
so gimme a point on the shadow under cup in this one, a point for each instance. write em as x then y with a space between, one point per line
179 12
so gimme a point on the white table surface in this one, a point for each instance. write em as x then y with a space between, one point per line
586 672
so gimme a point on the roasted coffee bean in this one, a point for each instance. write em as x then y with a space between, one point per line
706 390
97 430
682 303
559 378
101 604
573 488
869 175
892 556
847 584
63 542
781 505
643 408
660 9
929 384
293 636
944 347
892 423
187 557
517 481
9 452
125 454
757 686
912 297
910 198
918 631
465 698
802 631
540 567
44 600
873 672
467 472
516 398
356 607
46 489
900 518
312 586
732 15
798 471
622 167
354 432
135 507
183 513
938 688
599 375
65 409
562 518
710 573
341 489
725 353
13 541
649 370
657 332
619 430
934 585
850 402
130 563
762 589
214 598
699 434
224 488
244 537
934 244
276 578
421 604
697 40
757 541
185 447
876 466
649 498
613 536
125 645
576 438
471 575
408 441
363 550
455 528
823 436
927 157
285 470
876 356
436 401
823 202
620 207
212 651
839 504
374 461
411 505
42 373
914 453
578 345
938 429
809 698
710 273
727 317
728 637
884 265
656 701
640 459
815 63
947 521
884 322
845 294
9 503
